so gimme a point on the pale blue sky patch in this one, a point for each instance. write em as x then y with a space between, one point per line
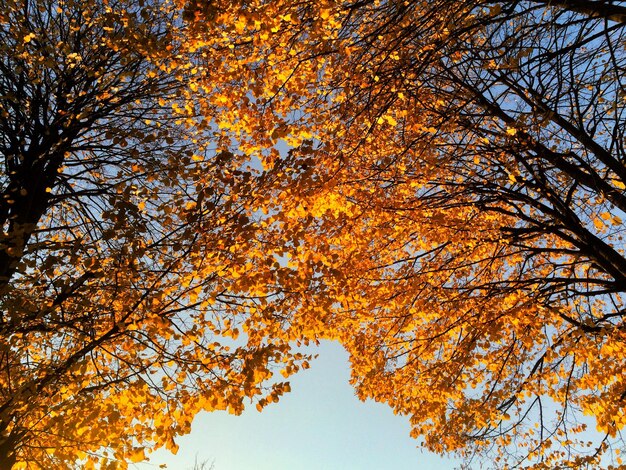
320 425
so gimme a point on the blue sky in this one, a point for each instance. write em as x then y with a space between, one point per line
320 425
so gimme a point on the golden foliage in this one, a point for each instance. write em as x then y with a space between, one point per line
193 188
445 196
125 238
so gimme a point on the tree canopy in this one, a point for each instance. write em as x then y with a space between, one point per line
122 228
192 189
451 208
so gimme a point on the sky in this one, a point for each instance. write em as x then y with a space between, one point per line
320 425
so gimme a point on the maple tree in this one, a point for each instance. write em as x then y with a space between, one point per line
450 207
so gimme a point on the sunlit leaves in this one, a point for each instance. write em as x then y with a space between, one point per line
126 236
192 189
448 206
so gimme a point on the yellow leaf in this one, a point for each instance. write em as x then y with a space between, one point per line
391 120
137 455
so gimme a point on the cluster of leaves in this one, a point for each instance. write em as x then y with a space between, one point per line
122 232
450 207
436 184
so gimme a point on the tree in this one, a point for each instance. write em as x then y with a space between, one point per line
437 184
450 208
124 232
